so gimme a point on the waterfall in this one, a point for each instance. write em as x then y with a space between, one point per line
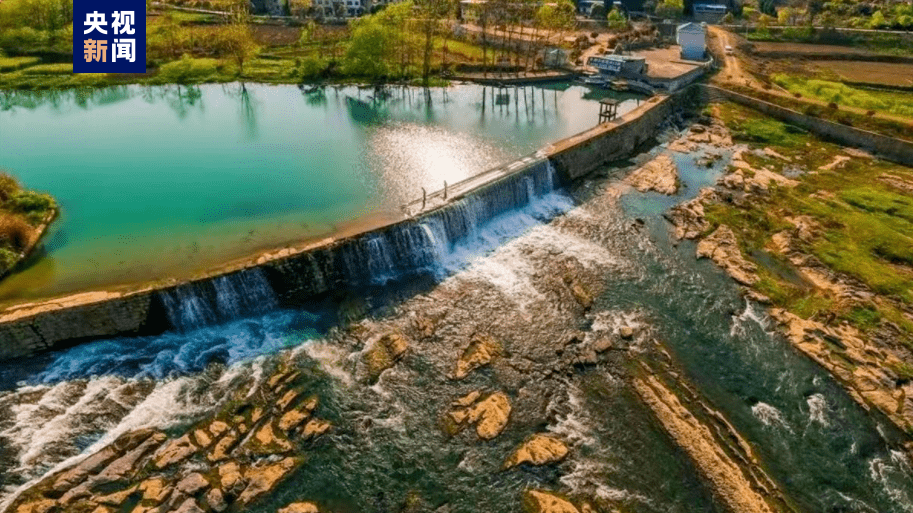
445 239
435 244
228 297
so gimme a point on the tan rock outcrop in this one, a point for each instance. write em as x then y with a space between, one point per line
481 351
230 478
722 247
537 501
489 414
660 175
699 443
270 441
216 500
38 506
155 490
315 428
689 217
221 449
538 450
174 451
191 484
385 352
300 507
262 479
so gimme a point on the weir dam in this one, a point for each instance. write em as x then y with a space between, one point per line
422 243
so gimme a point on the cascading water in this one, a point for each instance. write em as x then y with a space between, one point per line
445 240
225 298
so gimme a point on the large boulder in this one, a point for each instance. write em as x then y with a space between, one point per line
660 175
383 353
481 351
722 247
489 414
538 450
537 501
300 507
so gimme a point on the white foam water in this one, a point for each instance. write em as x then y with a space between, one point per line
817 409
752 314
73 419
770 416
885 472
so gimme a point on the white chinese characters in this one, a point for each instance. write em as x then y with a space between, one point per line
95 20
123 22
124 49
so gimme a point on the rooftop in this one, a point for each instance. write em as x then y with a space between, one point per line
666 62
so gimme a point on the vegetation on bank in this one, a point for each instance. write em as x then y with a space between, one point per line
874 14
889 127
408 41
22 216
859 217
843 95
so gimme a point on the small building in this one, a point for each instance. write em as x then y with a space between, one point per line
555 57
710 13
613 64
692 37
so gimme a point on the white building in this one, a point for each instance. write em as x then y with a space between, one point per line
692 37
347 8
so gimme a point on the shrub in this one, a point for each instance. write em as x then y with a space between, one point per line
311 67
14 63
8 186
7 260
34 205
23 39
15 232
49 69
188 70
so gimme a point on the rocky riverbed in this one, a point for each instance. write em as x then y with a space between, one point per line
593 364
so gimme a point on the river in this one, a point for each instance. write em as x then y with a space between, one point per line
508 278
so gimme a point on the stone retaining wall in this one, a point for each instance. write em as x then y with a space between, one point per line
889 148
581 154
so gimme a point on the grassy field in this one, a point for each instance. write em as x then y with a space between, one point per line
863 224
899 104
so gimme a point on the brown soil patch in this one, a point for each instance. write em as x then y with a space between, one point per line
883 73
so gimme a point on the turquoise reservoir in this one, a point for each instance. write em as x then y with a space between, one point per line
164 182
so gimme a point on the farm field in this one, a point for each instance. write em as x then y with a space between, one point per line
881 73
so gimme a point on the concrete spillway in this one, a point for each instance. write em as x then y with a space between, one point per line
424 241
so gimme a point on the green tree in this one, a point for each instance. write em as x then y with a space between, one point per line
670 9
430 16
878 20
238 40
380 43
617 20
559 17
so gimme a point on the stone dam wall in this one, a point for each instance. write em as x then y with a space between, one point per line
299 276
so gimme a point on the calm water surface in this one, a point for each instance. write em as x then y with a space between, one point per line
157 182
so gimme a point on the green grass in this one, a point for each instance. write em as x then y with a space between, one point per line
898 104
768 131
865 228
14 63
188 70
49 69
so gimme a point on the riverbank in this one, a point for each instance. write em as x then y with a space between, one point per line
24 219
821 233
